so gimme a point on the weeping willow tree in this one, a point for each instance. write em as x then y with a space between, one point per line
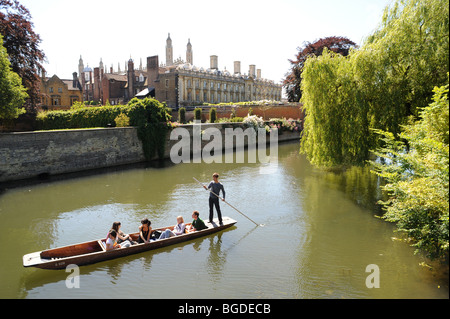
377 86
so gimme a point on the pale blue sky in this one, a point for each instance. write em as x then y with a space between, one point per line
260 32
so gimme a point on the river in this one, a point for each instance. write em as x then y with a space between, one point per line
320 233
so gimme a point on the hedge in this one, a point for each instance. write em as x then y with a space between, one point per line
138 111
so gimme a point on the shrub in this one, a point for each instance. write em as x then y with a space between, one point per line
254 121
182 115
122 120
212 115
198 114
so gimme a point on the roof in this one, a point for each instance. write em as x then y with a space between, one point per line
116 77
146 92
70 86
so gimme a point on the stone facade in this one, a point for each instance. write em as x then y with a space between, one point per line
180 83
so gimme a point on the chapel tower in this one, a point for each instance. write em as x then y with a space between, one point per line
80 68
189 55
169 51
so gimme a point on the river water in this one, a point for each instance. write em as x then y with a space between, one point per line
320 233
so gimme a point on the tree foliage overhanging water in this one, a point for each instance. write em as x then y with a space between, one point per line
376 97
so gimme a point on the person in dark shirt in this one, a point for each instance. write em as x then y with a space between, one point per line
197 223
215 186
145 231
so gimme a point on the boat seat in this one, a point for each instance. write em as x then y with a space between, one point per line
102 244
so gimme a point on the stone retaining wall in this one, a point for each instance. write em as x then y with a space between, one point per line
32 154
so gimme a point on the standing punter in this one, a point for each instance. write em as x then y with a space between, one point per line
213 199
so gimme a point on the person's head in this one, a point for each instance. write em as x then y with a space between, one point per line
215 176
146 222
195 214
180 220
116 226
112 234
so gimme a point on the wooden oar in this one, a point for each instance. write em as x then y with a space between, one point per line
261 225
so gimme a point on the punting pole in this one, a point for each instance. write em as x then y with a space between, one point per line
261 225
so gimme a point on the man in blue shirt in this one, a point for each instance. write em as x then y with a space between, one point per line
215 187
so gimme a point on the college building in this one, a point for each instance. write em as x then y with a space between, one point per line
176 82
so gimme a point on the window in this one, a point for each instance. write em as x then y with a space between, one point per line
59 90
167 83
56 100
204 84
73 99
50 90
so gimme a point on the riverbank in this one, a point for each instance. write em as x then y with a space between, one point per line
26 155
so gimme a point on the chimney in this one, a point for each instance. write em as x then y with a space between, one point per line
214 63
75 79
237 67
130 78
252 72
258 73
152 70
97 84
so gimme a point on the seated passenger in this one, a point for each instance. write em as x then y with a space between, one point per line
123 239
177 230
145 231
111 240
197 223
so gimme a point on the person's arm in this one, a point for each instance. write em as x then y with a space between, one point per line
150 231
180 229
223 192
123 237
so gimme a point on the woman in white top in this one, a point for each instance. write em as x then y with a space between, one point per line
111 240
177 230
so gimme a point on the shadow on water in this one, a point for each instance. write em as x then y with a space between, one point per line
47 178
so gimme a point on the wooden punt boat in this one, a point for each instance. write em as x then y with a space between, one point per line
94 251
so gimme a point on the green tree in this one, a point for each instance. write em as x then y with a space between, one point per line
377 86
293 78
416 169
22 45
12 93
